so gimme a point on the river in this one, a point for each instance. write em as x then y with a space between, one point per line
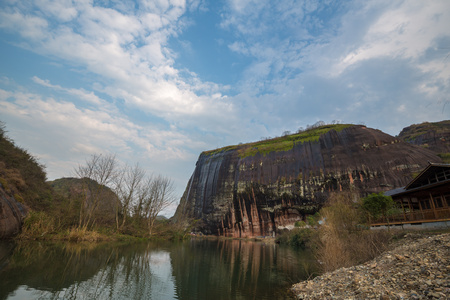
193 269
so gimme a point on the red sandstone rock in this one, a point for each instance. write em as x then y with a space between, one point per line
247 196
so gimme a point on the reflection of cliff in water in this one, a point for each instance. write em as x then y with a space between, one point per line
195 269
85 272
236 269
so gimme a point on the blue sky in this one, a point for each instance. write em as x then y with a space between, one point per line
158 82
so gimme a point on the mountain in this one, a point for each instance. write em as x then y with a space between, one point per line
433 136
258 188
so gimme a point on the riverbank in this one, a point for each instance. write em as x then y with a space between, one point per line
417 267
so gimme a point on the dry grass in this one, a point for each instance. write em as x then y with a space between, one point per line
342 241
85 235
37 225
40 226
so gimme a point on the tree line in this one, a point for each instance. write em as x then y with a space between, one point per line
139 197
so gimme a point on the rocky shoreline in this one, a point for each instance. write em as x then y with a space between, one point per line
418 268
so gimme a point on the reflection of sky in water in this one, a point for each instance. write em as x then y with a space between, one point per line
148 276
163 282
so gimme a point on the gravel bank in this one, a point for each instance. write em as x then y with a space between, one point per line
418 269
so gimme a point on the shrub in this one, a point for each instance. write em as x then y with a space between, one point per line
342 241
300 224
378 205
299 238
313 220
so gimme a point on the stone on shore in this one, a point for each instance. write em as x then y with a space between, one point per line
419 269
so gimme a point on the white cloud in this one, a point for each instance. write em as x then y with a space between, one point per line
239 47
89 130
80 93
405 32
30 27
127 50
63 10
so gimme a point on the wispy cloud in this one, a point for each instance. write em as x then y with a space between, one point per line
80 93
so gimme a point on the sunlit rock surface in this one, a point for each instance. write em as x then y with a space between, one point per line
248 190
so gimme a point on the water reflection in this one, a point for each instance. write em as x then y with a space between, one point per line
235 269
196 269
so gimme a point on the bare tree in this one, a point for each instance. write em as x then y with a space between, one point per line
159 194
143 194
98 172
128 187
318 124
138 196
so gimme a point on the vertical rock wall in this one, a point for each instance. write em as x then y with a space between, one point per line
235 195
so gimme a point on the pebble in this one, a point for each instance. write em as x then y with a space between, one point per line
417 269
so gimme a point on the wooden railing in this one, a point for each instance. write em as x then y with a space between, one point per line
427 215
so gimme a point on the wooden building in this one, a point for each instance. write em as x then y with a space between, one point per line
425 199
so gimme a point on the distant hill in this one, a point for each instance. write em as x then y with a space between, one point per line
433 136
74 189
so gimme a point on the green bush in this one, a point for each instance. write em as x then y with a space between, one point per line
300 224
298 238
313 220
445 157
378 205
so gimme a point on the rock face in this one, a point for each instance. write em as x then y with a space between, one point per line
434 136
255 189
12 214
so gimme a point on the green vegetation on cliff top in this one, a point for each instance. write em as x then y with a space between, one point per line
410 133
284 143
445 157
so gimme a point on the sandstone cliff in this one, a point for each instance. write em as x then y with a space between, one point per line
433 136
255 189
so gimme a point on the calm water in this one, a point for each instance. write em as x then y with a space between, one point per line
195 269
